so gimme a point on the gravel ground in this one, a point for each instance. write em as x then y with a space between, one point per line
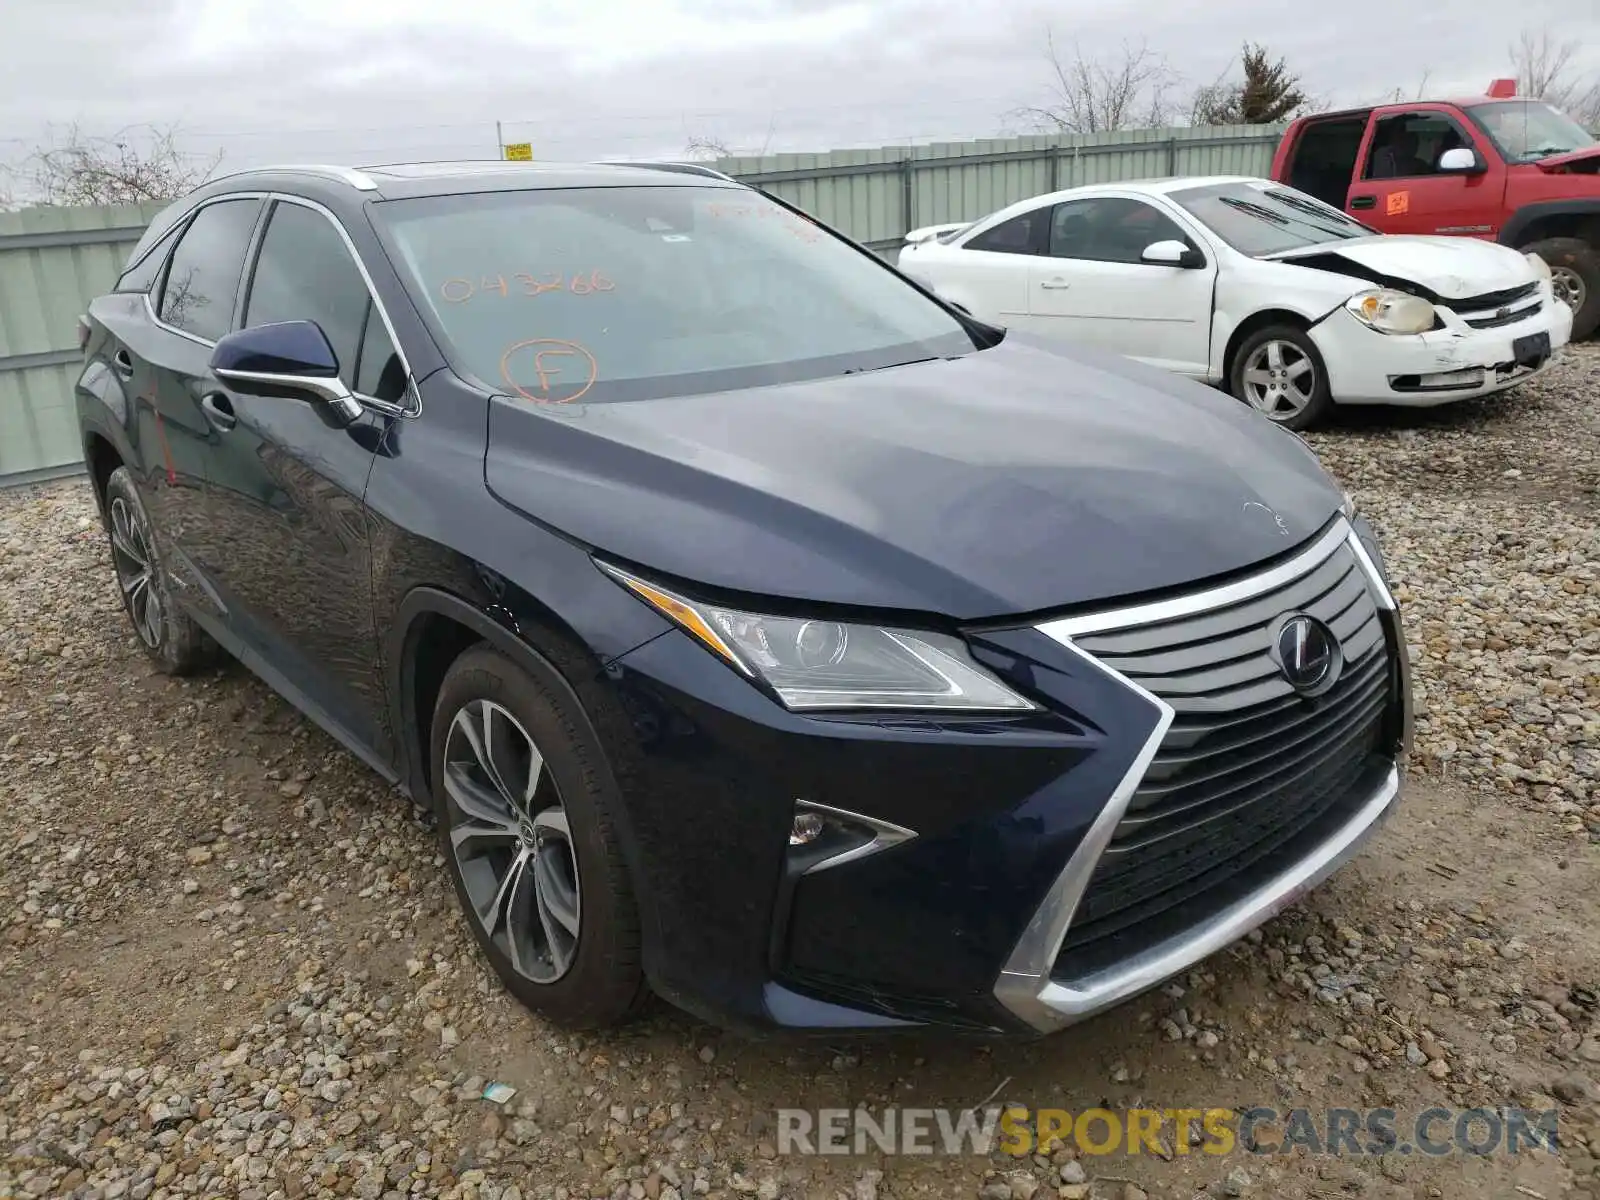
230 964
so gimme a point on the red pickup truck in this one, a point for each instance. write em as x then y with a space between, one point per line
1496 167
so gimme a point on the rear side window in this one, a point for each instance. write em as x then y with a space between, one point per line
203 279
1019 235
305 273
142 275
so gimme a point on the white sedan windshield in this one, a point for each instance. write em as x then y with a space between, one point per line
1262 218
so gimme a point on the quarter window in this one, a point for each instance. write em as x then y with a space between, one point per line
1019 235
304 272
203 276
1110 229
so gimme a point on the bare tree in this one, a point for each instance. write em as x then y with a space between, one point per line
703 145
1130 91
136 164
1267 93
1545 69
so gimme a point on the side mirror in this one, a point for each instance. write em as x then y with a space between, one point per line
1172 253
1462 160
292 358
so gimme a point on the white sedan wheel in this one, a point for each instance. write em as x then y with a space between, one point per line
1280 379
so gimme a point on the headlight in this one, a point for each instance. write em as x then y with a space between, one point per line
1347 505
1389 311
832 664
1540 267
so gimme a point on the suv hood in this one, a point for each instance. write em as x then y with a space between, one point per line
1012 480
1452 268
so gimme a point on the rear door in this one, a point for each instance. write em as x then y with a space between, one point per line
289 548
1400 189
1092 287
188 306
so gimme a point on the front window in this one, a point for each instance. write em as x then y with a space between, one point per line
1526 130
628 293
1264 218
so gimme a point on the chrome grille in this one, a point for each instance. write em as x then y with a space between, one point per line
1250 775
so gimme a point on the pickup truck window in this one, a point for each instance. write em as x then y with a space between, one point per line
1409 145
1527 130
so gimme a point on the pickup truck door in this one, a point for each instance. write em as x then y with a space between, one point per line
1399 188
1092 287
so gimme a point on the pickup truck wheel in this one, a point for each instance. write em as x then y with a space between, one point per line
1575 273
1280 374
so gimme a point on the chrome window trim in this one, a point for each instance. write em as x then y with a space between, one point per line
414 408
885 834
1024 985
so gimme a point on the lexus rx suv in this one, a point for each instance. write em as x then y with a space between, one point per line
754 628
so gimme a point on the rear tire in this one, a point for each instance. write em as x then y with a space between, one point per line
526 803
1279 372
1575 264
167 634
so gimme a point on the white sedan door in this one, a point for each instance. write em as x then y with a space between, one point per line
1092 287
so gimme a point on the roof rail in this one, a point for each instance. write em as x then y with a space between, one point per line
356 179
678 167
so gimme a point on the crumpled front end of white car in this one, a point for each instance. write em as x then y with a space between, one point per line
1389 347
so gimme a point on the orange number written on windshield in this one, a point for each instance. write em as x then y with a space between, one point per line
459 290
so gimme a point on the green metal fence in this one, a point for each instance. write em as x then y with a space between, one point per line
53 261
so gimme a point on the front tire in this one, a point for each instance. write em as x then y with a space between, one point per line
1279 372
526 808
167 634
1575 270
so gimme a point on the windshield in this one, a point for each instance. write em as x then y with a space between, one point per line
1259 218
626 293
1525 130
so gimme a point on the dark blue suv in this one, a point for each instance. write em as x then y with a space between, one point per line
754 627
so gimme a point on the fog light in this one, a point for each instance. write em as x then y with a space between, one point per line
806 829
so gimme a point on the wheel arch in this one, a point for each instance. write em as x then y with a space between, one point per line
1556 218
1256 321
432 628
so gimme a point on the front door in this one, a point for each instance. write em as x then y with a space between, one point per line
289 548
1092 287
1400 189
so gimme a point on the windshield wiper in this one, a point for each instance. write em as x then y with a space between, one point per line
908 362
1255 210
1312 208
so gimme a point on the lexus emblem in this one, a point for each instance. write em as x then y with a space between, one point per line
1307 653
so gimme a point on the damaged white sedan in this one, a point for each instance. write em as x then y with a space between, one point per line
1291 305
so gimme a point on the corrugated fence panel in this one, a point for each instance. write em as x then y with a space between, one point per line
876 196
53 261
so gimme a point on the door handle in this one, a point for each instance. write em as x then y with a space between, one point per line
218 410
1055 284
122 364
1363 202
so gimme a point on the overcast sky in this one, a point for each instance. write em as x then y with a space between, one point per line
369 81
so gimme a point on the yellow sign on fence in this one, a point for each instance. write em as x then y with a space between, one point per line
520 151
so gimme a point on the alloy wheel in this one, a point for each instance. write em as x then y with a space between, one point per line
1279 379
1569 287
136 569
512 844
